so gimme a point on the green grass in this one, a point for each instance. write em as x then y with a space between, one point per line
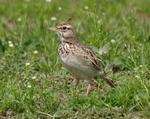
33 83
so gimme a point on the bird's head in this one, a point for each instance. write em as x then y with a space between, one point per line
65 31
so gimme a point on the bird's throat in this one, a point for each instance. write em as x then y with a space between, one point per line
70 40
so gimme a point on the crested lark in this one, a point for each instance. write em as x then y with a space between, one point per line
79 59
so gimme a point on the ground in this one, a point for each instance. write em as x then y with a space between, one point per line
33 82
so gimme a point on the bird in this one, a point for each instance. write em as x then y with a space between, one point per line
79 58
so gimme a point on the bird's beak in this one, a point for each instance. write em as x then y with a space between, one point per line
52 29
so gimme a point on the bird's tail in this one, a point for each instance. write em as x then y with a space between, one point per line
108 80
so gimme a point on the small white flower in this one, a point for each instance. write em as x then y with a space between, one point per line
34 77
27 63
29 86
137 77
141 66
19 19
10 44
59 8
86 7
112 41
53 18
99 21
48 0
35 52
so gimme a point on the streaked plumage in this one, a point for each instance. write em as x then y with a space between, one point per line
79 59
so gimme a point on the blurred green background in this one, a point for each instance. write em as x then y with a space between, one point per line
33 83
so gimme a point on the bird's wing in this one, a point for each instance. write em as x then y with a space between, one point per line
87 56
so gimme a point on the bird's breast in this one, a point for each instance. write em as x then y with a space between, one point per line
72 60
67 56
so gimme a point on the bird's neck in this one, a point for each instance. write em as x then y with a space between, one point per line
69 40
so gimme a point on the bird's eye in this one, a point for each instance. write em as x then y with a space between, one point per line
64 28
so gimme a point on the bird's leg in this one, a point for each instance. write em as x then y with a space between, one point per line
75 81
88 90
91 86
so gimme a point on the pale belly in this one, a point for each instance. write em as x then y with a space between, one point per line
79 67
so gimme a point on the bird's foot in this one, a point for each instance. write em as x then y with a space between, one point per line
74 81
91 87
